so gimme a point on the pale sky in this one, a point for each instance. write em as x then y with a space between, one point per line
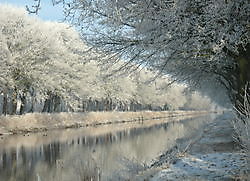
47 11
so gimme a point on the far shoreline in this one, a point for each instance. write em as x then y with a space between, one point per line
41 122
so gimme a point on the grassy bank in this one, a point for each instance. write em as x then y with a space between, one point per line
36 122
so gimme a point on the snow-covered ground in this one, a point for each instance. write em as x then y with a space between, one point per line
213 156
214 166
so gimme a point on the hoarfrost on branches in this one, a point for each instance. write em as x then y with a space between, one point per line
47 62
189 40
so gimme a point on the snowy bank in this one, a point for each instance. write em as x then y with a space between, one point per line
35 122
214 155
213 166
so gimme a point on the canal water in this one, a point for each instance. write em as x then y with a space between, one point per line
111 152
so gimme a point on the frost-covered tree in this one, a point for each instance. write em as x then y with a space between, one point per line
118 90
198 41
22 53
71 74
36 58
147 93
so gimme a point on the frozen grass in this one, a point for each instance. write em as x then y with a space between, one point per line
242 125
35 122
213 166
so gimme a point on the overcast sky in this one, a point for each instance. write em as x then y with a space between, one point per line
47 12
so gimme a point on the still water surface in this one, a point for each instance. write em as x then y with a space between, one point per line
114 152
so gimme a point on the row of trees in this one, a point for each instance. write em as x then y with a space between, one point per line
198 41
46 67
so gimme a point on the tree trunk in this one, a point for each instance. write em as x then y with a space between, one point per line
56 103
46 107
48 104
243 62
14 101
106 104
23 103
238 75
5 103
32 94
84 106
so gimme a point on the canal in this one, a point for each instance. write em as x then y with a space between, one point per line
110 152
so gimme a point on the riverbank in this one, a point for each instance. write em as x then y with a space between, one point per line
39 122
214 155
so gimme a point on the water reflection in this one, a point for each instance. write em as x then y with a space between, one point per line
111 156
